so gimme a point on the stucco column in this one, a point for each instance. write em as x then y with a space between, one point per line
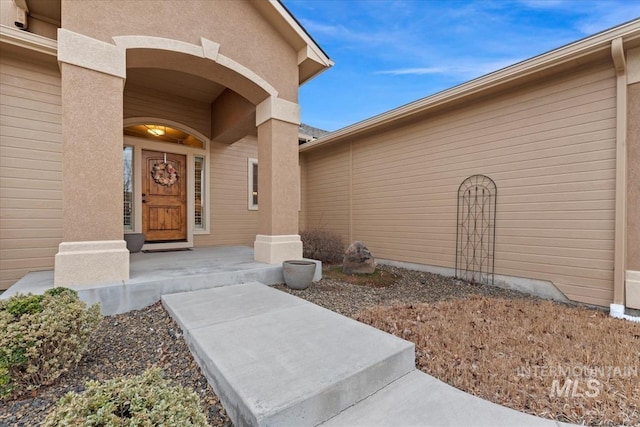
93 250
278 182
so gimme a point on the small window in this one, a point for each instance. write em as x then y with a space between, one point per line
127 187
199 202
253 183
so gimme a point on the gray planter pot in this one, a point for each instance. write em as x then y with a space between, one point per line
298 274
135 241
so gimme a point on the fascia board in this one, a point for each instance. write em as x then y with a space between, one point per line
307 49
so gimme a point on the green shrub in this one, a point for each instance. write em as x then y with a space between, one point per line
323 245
41 337
29 304
143 400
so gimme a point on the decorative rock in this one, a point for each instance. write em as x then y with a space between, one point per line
358 260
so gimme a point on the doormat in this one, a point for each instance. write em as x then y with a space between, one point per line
155 251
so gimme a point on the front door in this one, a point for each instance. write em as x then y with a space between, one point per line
164 196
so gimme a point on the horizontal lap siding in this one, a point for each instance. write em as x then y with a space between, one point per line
327 190
549 147
30 168
232 223
302 218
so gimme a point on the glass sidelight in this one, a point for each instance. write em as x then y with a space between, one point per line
127 187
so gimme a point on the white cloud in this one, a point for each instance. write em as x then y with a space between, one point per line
348 35
468 68
414 71
606 18
592 16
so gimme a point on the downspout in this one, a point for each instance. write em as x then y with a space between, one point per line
617 307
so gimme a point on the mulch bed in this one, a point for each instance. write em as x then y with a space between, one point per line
129 343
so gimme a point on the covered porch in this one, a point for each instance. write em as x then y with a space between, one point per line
160 273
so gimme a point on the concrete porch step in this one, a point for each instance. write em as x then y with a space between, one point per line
275 359
153 275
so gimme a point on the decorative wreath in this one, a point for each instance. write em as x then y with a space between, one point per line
164 174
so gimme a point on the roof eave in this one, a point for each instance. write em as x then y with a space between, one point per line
571 52
24 39
312 60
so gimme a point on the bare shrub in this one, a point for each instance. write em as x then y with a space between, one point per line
323 245
41 337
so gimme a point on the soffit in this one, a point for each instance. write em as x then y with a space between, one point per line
45 10
174 83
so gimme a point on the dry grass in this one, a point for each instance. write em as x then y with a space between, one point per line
511 351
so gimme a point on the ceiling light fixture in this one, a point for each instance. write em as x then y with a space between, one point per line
156 130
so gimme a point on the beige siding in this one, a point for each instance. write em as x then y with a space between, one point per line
139 103
633 178
232 223
302 217
327 190
550 148
30 167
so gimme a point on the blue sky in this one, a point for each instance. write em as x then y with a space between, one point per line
392 52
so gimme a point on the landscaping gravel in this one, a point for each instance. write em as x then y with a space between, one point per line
409 287
124 344
129 343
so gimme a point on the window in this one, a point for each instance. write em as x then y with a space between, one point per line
253 183
127 187
199 193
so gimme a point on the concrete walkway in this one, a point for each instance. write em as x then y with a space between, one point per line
277 360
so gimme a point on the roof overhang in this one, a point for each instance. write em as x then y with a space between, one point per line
31 42
311 58
43 10
582 51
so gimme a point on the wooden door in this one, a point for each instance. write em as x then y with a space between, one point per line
164 196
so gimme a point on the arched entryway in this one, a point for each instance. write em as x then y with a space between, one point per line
182 83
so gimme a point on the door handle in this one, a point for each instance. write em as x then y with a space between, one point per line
144 201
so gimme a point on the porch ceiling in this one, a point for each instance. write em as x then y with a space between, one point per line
174 83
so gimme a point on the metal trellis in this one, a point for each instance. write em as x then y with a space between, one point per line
476 229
